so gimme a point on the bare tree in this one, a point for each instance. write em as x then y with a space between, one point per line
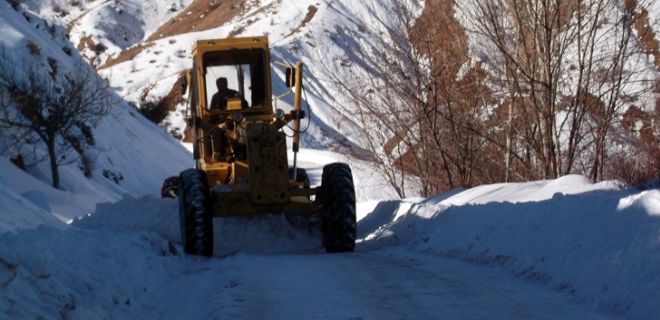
58 115
538 93
379 91
417 103
566 70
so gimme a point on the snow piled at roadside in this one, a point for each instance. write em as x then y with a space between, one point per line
20 213
48 273
593 241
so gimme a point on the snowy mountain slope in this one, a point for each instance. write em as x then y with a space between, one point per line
131 157
100 29
306 31
119 25
321 34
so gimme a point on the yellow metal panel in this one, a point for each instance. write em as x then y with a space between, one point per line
217 172
269 177
229 43
234 104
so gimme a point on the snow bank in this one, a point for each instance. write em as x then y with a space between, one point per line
48 273
600 244
147 214
18 213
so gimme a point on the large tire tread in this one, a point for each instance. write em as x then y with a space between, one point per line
195 214
337 197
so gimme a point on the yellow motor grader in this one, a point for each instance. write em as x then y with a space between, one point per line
239 147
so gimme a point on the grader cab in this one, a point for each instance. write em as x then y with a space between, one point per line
239 147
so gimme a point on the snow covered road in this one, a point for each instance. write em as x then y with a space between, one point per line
130 270
446 257
387 284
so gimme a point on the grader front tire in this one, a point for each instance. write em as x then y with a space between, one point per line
195 217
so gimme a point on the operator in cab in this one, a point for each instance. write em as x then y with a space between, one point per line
219 99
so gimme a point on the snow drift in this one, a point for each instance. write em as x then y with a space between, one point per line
595 242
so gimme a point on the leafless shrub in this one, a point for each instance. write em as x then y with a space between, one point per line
158 109
641 171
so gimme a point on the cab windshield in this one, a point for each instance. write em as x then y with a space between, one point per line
234 79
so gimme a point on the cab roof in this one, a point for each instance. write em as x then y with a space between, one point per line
231 43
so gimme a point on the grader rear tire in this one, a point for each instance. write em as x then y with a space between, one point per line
337 198
195 217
